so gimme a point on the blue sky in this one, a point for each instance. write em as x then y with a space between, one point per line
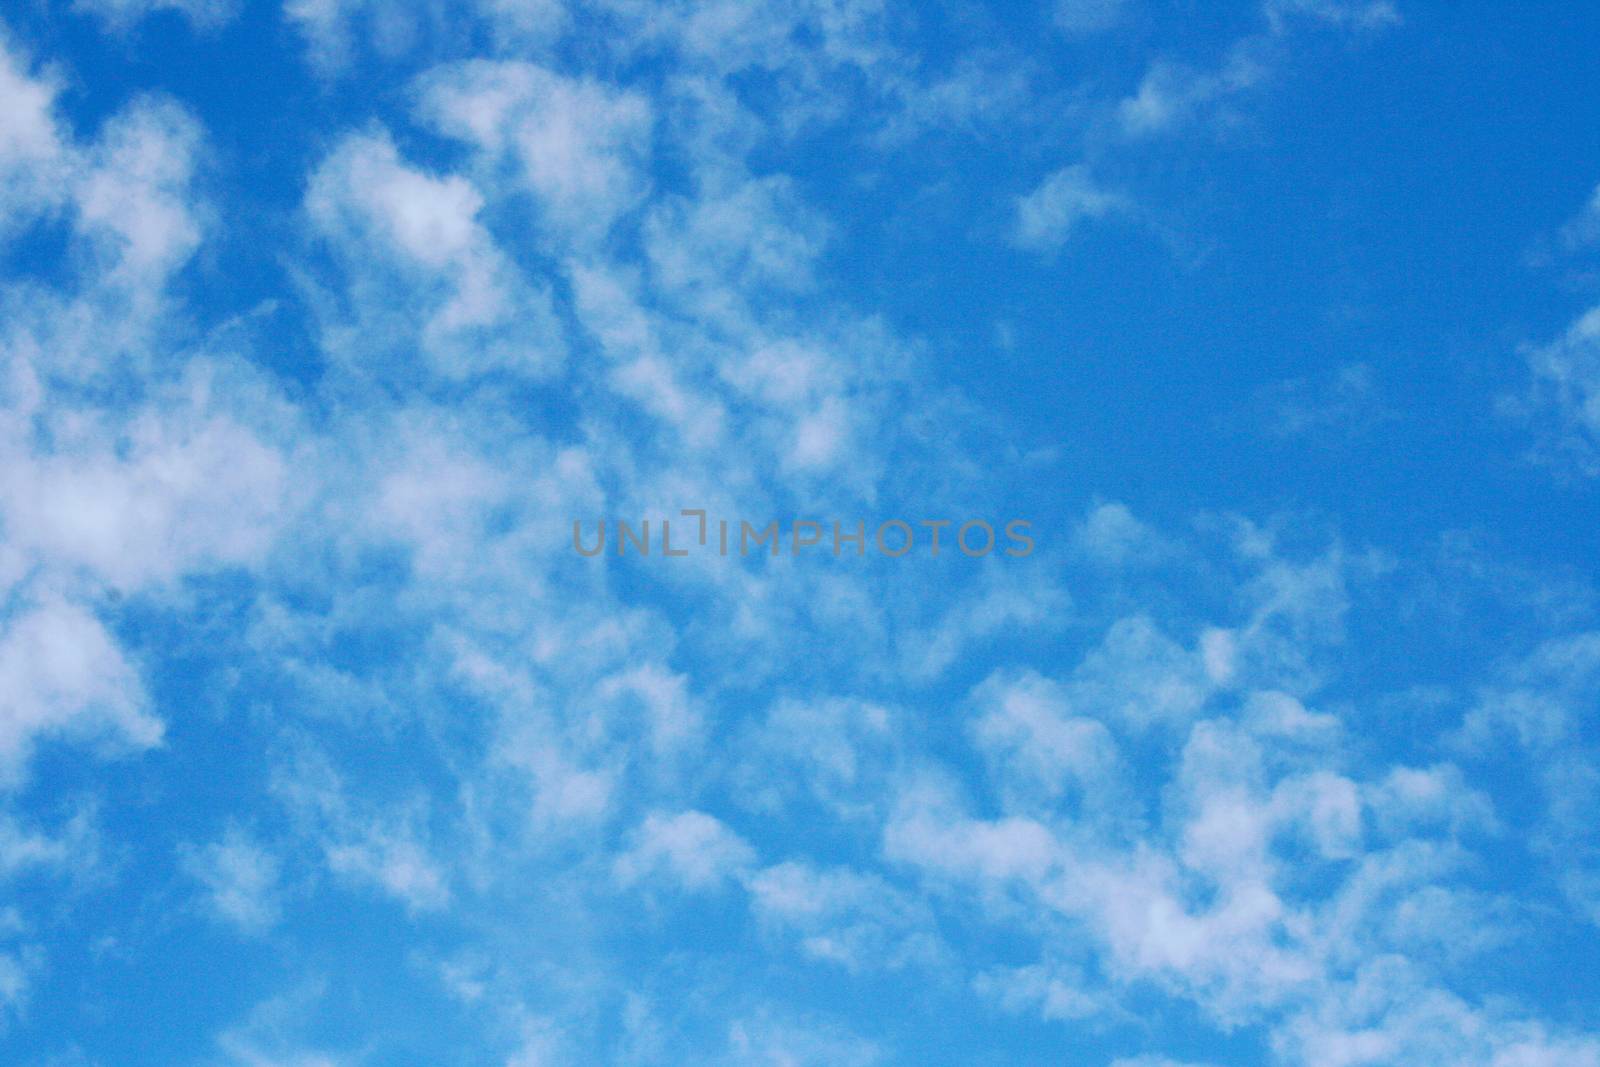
322 322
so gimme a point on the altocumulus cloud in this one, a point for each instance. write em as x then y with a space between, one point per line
320 746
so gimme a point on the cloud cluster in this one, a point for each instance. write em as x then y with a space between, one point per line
627 811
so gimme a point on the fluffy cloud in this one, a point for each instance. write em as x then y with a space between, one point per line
64 675
239 879
33 156
1583 229
120 15
421 269
844 917
1566 375
608 280
1066 199
577 144
691 848
1173 94
176 490
1076 17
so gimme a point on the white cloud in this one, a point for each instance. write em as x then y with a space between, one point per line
1583 229
1347 401
264 1038
382 846
332 28
1566 391
61 673
1026 723
526 25
1081 17
757 231
577 144
1538 709
1359 14
691 849
389 855
1169 94
1065 200
120 15
72 851
126 463
1205 899
1410 799
837 752
178 488
1113 536
1059 992
33 154
126 193
17 971
928 828
844 917
1210 737
567 791
808 47
982 93
778 1042
995 601
1139 675
672 721
240 879
133 199
338 32
420 267
1172 94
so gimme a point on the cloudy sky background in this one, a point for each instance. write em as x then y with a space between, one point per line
320 323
